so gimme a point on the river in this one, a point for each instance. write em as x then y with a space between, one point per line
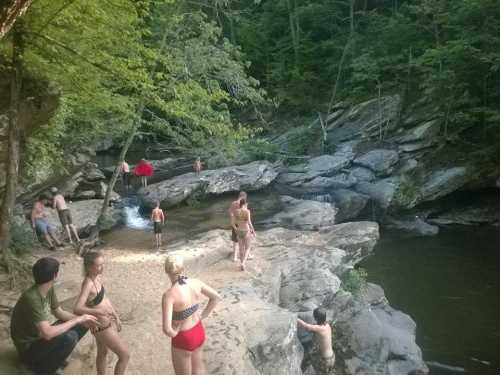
450 285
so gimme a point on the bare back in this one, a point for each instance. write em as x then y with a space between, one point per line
157 215
60 202
323 338
184 296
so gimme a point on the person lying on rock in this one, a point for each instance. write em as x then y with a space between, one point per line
324 357
93 301
43 347
158 219
59 204
182 318
41 225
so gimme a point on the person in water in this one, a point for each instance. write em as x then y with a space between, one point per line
325 357
182 319
197 166
42 346
158 219
92 300
59 204
233 207
41 225
125 170
242 224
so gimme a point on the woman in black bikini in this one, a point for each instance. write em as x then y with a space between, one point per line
93 301
182 318
242 224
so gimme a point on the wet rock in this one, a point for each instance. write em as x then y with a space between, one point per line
381 192
249 177
349 204
379 161
339 181
424 132
362 174
470 215
327 165
443 182
412 224
302 214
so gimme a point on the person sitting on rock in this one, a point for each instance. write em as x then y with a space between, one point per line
43 347
92 300
325 357
59 204
40 224
158 219
182 319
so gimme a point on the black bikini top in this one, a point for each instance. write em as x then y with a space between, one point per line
98 298
184 314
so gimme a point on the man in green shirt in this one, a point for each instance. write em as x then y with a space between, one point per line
43 347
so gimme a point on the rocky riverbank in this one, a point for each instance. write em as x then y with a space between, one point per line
254 331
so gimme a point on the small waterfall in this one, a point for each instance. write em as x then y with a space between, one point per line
319 197
133 218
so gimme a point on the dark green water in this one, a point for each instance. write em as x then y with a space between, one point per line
450 285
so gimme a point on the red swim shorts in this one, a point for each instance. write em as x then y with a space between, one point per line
190 339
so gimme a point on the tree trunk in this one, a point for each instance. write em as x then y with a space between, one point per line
9 198
10 12
293 31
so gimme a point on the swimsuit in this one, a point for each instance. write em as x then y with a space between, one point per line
65 217
194 337
96 301
242 233
157 227
42 226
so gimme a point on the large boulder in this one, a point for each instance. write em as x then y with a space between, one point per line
302 214
379 161
372 337
85 214
443 182
249 177
423 132
349 204
321 184
381 192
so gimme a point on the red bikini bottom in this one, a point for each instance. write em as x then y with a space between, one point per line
190 339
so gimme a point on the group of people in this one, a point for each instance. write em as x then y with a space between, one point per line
41 225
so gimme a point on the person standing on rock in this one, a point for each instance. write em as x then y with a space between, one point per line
181 318
233 207
93 301
197 166
59 204
143 169
125 170
42 346
242 224
40 224
324 356
158 219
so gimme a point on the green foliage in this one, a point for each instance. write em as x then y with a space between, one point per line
301 140
355 281
22 239
259 149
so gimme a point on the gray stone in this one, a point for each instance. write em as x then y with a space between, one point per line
349 204
414 147
365 119
379 161
339 181
382 191
408 165
485 215
443 182
327 165
362 174
302 214
424 132
412 224
249 177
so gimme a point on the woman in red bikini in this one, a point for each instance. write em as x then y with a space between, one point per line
182 319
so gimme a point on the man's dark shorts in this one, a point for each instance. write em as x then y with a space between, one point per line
234 235
65 217
157 227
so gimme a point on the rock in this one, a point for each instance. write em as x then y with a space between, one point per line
327 165
409 165
414 147
320 184
443 182
373 338
382 191
379 161
349 204
91 173
302 214
85 214
412 224
365 119
249 177
424 132
470 215
362 174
